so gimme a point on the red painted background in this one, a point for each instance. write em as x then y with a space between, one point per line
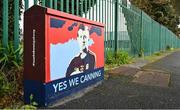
62 35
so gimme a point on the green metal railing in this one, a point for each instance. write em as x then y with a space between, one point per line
126 27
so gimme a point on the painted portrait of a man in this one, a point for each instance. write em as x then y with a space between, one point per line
86 59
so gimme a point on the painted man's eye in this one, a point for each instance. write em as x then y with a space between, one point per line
84 37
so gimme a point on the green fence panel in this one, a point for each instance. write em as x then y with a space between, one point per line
146 34
126 26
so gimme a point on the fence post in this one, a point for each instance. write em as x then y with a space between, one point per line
160 40
67 6
55 4
82 7
5 24
16 25
50 3
43 2
141 35
116 24
72 7
35 2
62 5
26 2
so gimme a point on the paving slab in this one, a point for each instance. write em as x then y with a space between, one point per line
123 70
152 77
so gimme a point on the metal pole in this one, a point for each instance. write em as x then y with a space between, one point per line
43 2
26 4
5 24
35 2
77 7
55 4
62 5
50 4
85 11
72 7
81 12
16 24
141 33
89 9
116 24
67 6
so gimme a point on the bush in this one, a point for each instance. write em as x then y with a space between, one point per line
32 104
8 57
4 85
10 74
121 57
141 53
110 57
157 53
168 47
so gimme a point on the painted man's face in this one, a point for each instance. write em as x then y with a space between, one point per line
83 37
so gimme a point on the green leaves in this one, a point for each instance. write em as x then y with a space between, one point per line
10 58
32 104
121 57
5 87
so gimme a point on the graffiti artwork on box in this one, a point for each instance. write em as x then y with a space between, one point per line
74 47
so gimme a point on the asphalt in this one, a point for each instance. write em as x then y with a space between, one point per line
120 92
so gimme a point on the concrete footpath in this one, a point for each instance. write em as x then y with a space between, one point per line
121 91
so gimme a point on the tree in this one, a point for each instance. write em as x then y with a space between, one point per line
176 4
162 11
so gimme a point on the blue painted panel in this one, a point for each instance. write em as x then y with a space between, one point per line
55 90
35 88
96 30
56 23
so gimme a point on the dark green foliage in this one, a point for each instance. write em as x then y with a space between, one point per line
10 72
110 57
8 57
157 53
33 105
141 54
168 47
177 5
162 11
4 85
121 57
